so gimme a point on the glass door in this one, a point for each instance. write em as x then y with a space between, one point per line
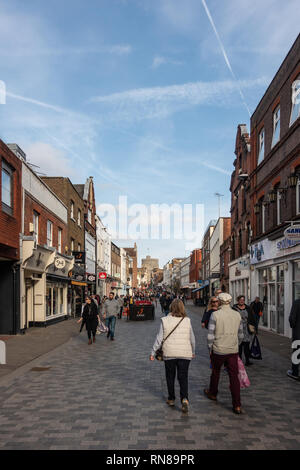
272 307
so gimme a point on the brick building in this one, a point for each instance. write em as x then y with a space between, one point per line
10 229
87 192
132 252
45 266
239 266
115 269
75 238
275 194
204 290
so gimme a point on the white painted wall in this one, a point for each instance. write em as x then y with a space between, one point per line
40 191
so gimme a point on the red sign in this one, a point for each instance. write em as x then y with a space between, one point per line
102 275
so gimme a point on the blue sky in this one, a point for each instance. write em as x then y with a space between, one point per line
138 93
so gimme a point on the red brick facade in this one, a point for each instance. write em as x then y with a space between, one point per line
240 195
273 198
195 265
10 224
44 215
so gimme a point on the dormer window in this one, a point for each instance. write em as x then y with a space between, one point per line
295 113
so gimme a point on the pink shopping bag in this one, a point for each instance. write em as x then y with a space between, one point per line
243 377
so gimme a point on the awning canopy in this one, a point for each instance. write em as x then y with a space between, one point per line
196 290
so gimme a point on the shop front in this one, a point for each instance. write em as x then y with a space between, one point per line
239 279
44 284
275 279
76 290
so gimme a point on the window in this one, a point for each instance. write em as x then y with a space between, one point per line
298 197
263 218
72 210
49 233
89 216
278 202
295 113
36 226
79 247
79 217
240 243
59 240
261 146
7 188
276 126
72 244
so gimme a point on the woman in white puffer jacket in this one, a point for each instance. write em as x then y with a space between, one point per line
178 350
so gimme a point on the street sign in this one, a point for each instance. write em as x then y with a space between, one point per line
292 232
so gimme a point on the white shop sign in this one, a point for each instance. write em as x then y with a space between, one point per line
272 249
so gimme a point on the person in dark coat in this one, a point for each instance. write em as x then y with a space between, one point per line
256 309
294 320
90 318
248 320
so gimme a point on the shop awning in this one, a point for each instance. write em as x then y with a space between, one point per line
196 290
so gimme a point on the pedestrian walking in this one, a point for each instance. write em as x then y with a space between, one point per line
212 306
294 320
110 312
256 308
178 344
90 318
225 332
249 328
121 303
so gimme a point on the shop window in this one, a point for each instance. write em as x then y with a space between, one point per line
295 112
54 299
296 280
7 188
276 126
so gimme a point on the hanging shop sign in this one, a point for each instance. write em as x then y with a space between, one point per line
59 263
79 257
91 277
292 233
102 275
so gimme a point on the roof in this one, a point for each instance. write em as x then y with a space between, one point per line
79 188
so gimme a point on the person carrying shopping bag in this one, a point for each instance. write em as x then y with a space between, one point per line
177 340
90 318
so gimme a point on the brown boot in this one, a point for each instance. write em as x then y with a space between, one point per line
90 341
94 339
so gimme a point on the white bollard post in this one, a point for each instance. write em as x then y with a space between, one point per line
2 352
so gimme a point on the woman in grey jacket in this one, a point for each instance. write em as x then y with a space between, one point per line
178 350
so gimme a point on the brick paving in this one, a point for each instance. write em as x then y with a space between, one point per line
110 396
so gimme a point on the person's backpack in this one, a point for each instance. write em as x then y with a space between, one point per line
255 350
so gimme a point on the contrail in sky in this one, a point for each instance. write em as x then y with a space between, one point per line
224 54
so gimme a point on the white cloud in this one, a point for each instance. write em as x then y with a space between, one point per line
118 49
50 160
160 60
147 103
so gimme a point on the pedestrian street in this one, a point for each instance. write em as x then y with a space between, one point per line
110 396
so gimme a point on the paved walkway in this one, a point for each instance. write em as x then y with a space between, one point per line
109 396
